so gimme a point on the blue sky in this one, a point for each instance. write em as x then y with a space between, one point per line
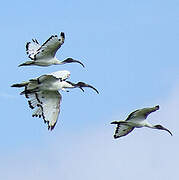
130 50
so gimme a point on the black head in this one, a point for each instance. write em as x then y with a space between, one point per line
157 107
70 60
82 84
162 128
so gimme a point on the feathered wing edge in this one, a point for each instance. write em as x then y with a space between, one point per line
144 112
34 49
49 47
46 105
122 129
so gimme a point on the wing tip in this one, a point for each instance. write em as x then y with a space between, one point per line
51 127
115 137
62 34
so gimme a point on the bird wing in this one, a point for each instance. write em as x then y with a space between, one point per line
32 48
61 74
142 113
133 115
47 78
47 104
122 130
50 47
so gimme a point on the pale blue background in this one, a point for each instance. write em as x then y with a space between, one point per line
130 49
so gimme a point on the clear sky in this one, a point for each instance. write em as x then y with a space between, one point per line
130 50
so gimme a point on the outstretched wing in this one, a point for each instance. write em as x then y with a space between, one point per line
64 74
142 113
32 48
133 115
50 47
55 76
47 50
122 130
46 78
47 104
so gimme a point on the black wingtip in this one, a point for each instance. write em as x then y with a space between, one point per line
27 47
50 128
62 34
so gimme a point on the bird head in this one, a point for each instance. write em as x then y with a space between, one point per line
157 107
70 60
162 128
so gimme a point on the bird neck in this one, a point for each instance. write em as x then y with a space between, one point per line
147 124
56 61
68 84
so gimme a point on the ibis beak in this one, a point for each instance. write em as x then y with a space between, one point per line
70 60
162 128
167 131
81 89
82 84
79 62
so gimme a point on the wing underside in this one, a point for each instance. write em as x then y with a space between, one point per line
32 48
46 50
46 105
122 130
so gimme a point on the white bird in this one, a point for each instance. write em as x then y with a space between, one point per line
136 119
44 55
43 94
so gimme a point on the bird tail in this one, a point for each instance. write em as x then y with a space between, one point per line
20 84
115 122
27 63
29 87
29 91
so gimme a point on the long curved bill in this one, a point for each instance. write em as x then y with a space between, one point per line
167 131
79 62
82 84
70 60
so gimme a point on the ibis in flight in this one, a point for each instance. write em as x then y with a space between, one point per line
44 55
136 119
43 94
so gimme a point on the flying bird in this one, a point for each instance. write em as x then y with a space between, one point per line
43 94
44 55
136 119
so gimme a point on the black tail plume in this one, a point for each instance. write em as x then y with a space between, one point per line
115 122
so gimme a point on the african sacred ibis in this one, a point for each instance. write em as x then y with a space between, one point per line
136 119
43 94
44 55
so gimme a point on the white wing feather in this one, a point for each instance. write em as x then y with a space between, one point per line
32 48
122 130
47 50
47 104
61 74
